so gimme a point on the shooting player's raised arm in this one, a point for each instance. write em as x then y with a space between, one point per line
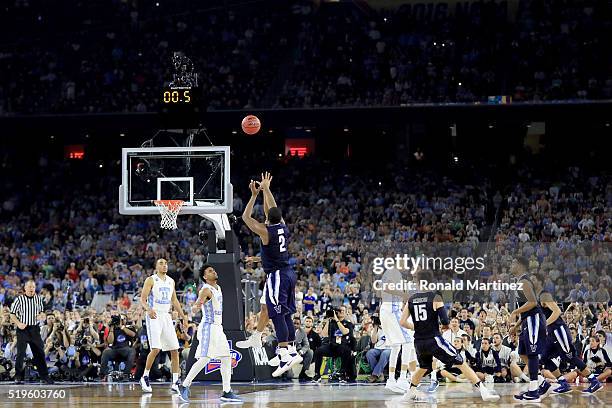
269 201
254 225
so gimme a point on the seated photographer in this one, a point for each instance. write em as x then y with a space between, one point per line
87 328
10 351
55 348
46 330
339 341
184 335
87 358
118 341
379 353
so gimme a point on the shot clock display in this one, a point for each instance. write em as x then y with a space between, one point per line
177 96
180 102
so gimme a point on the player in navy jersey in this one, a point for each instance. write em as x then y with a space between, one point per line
427 311
559 345
281 279
532 340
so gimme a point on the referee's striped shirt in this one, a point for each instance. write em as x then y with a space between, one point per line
27 308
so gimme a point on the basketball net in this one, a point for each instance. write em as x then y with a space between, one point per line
169 210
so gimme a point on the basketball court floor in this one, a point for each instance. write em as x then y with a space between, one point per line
276 395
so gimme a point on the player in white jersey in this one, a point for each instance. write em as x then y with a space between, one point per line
212 343
157 298
397 336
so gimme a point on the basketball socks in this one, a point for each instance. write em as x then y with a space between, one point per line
283 353
533 385
175 377
540 380
226 373
195 369
145 373
525 377
403 375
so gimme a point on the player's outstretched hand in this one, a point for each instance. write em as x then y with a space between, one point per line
254 189
266 179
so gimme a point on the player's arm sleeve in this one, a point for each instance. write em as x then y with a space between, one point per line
443 316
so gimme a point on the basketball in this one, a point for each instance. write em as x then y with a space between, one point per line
251 124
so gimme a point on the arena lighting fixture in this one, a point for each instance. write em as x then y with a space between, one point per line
234 132
52 137
121 134
270 131
491 125
346 129
459 83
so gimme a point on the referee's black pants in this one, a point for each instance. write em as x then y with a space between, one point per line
30 335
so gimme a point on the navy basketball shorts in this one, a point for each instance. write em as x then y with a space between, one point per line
427 349
559 343
280 292
532 341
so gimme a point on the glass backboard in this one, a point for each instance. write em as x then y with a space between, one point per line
197 175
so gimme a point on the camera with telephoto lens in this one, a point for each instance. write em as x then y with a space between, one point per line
115 320
329 313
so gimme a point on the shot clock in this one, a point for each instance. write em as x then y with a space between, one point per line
179 98
181 95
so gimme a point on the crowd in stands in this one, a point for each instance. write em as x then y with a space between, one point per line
74 244
115 56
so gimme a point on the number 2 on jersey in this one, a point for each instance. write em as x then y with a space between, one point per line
281 240
420 313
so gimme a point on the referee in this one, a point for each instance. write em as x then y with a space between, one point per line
24 310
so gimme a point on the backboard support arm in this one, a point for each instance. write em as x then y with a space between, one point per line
221 223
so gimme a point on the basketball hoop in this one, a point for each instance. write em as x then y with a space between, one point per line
169 210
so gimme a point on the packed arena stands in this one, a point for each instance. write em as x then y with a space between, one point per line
113 57
64 232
